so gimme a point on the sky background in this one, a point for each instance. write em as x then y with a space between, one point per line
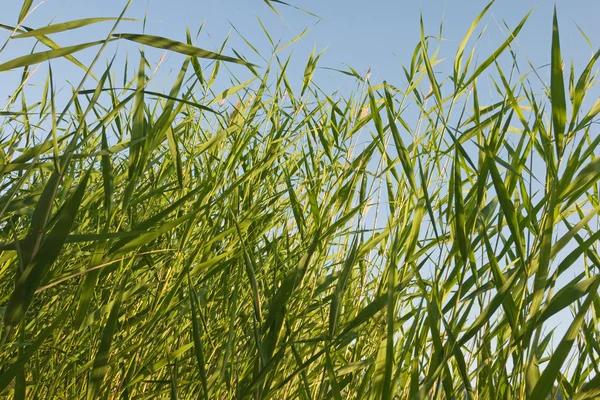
377 34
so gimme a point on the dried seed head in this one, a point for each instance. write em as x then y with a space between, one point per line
235 111
162 58
364 112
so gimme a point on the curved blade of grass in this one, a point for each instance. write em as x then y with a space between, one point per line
463 43
37 58
66 26
24 10
51 44
178 47
231 91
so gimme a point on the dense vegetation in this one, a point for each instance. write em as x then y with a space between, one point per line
277 241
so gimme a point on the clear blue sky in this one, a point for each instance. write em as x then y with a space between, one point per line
381 34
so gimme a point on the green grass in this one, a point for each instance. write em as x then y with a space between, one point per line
277 241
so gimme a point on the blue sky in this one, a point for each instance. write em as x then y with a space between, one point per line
377 34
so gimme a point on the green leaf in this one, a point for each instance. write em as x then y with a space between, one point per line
66 26
37 58
25 10
557 88
231 91
178 47
463 43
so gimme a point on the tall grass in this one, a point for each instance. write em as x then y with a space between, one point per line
277 241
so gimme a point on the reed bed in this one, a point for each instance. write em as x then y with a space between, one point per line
275 241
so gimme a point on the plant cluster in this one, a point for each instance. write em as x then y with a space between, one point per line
276 241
